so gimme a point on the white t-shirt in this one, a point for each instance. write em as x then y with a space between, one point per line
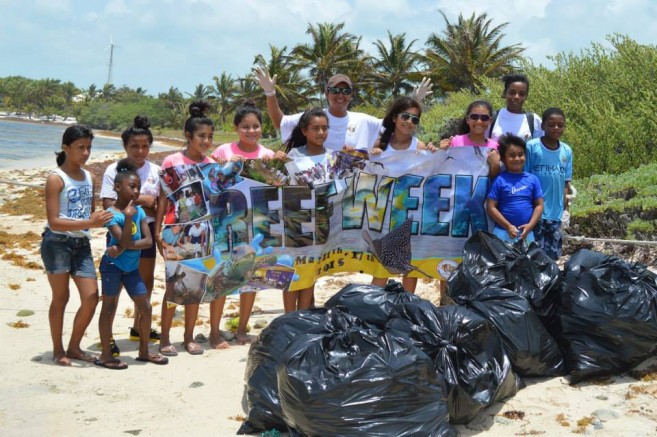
516 124
149 175
356 130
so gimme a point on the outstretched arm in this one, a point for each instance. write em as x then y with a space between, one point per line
268 85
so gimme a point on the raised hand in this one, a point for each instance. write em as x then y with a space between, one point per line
267 83
422 90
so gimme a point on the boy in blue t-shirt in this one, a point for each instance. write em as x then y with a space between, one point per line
551 161
129 233
515 198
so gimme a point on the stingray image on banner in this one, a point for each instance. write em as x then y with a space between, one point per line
393 250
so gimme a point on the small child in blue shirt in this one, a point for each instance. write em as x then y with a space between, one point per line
515 198
129 233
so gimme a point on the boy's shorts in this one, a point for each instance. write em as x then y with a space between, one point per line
65 254
112 278
549 238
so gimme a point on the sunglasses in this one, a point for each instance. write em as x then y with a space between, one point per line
482 117
338 90
406 116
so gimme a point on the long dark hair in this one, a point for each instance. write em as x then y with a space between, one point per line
464 127
72 134
397 107
297 138
140 126
198 116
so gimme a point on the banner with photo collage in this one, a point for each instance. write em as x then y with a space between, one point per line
230 229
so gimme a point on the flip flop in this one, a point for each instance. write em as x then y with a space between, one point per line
194 348
87 358
169 351
155 359
113 365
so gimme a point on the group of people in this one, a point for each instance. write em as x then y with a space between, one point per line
530 173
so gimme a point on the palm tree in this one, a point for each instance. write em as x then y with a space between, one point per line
467 51
201 92
329 52
291 87
224 91
393 65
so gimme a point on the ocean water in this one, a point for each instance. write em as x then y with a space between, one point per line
30 145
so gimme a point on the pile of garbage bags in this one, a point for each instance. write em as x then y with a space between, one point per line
381 361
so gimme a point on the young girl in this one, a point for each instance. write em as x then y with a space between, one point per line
515 199
513 119
129 233
551 160
65 247
248 124
306 139
199 130
399 126
137 142
472 132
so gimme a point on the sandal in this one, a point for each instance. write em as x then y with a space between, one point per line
153 358
113 364
193 348
169 351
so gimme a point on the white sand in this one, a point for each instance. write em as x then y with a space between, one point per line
203 395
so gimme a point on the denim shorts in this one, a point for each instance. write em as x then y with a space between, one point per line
111 278
65 254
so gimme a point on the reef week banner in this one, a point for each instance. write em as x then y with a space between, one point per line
226 233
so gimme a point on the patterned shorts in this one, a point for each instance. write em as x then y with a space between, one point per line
548 237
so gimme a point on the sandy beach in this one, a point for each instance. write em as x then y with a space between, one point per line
204 395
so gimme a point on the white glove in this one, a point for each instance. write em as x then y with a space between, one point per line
267 83
565 220
422 90
573 193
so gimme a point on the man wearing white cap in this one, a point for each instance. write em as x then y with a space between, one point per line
346 128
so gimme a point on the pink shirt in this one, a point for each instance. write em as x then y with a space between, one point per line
179 158
464 140
226 151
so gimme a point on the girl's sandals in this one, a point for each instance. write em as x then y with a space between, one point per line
154 358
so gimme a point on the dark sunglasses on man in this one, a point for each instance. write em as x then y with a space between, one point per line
337 90
406 116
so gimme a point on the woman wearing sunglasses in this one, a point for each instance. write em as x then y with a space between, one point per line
352 129
399 126
473 130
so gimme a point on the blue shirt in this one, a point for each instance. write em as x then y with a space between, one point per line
515 194
553 168
129 259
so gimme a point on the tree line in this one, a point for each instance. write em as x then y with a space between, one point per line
606 91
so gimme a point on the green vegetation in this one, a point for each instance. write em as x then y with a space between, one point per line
620 206
607 91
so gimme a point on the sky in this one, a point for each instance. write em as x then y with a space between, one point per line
181 43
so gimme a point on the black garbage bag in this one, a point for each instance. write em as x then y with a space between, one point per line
371 303
520 267
608 315
361 382
530 347
467 351
264 408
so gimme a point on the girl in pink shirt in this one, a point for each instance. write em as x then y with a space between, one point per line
472 130
248 125
199 130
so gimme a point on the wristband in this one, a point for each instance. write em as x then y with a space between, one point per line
270 93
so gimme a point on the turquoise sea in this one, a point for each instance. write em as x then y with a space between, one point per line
31 145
